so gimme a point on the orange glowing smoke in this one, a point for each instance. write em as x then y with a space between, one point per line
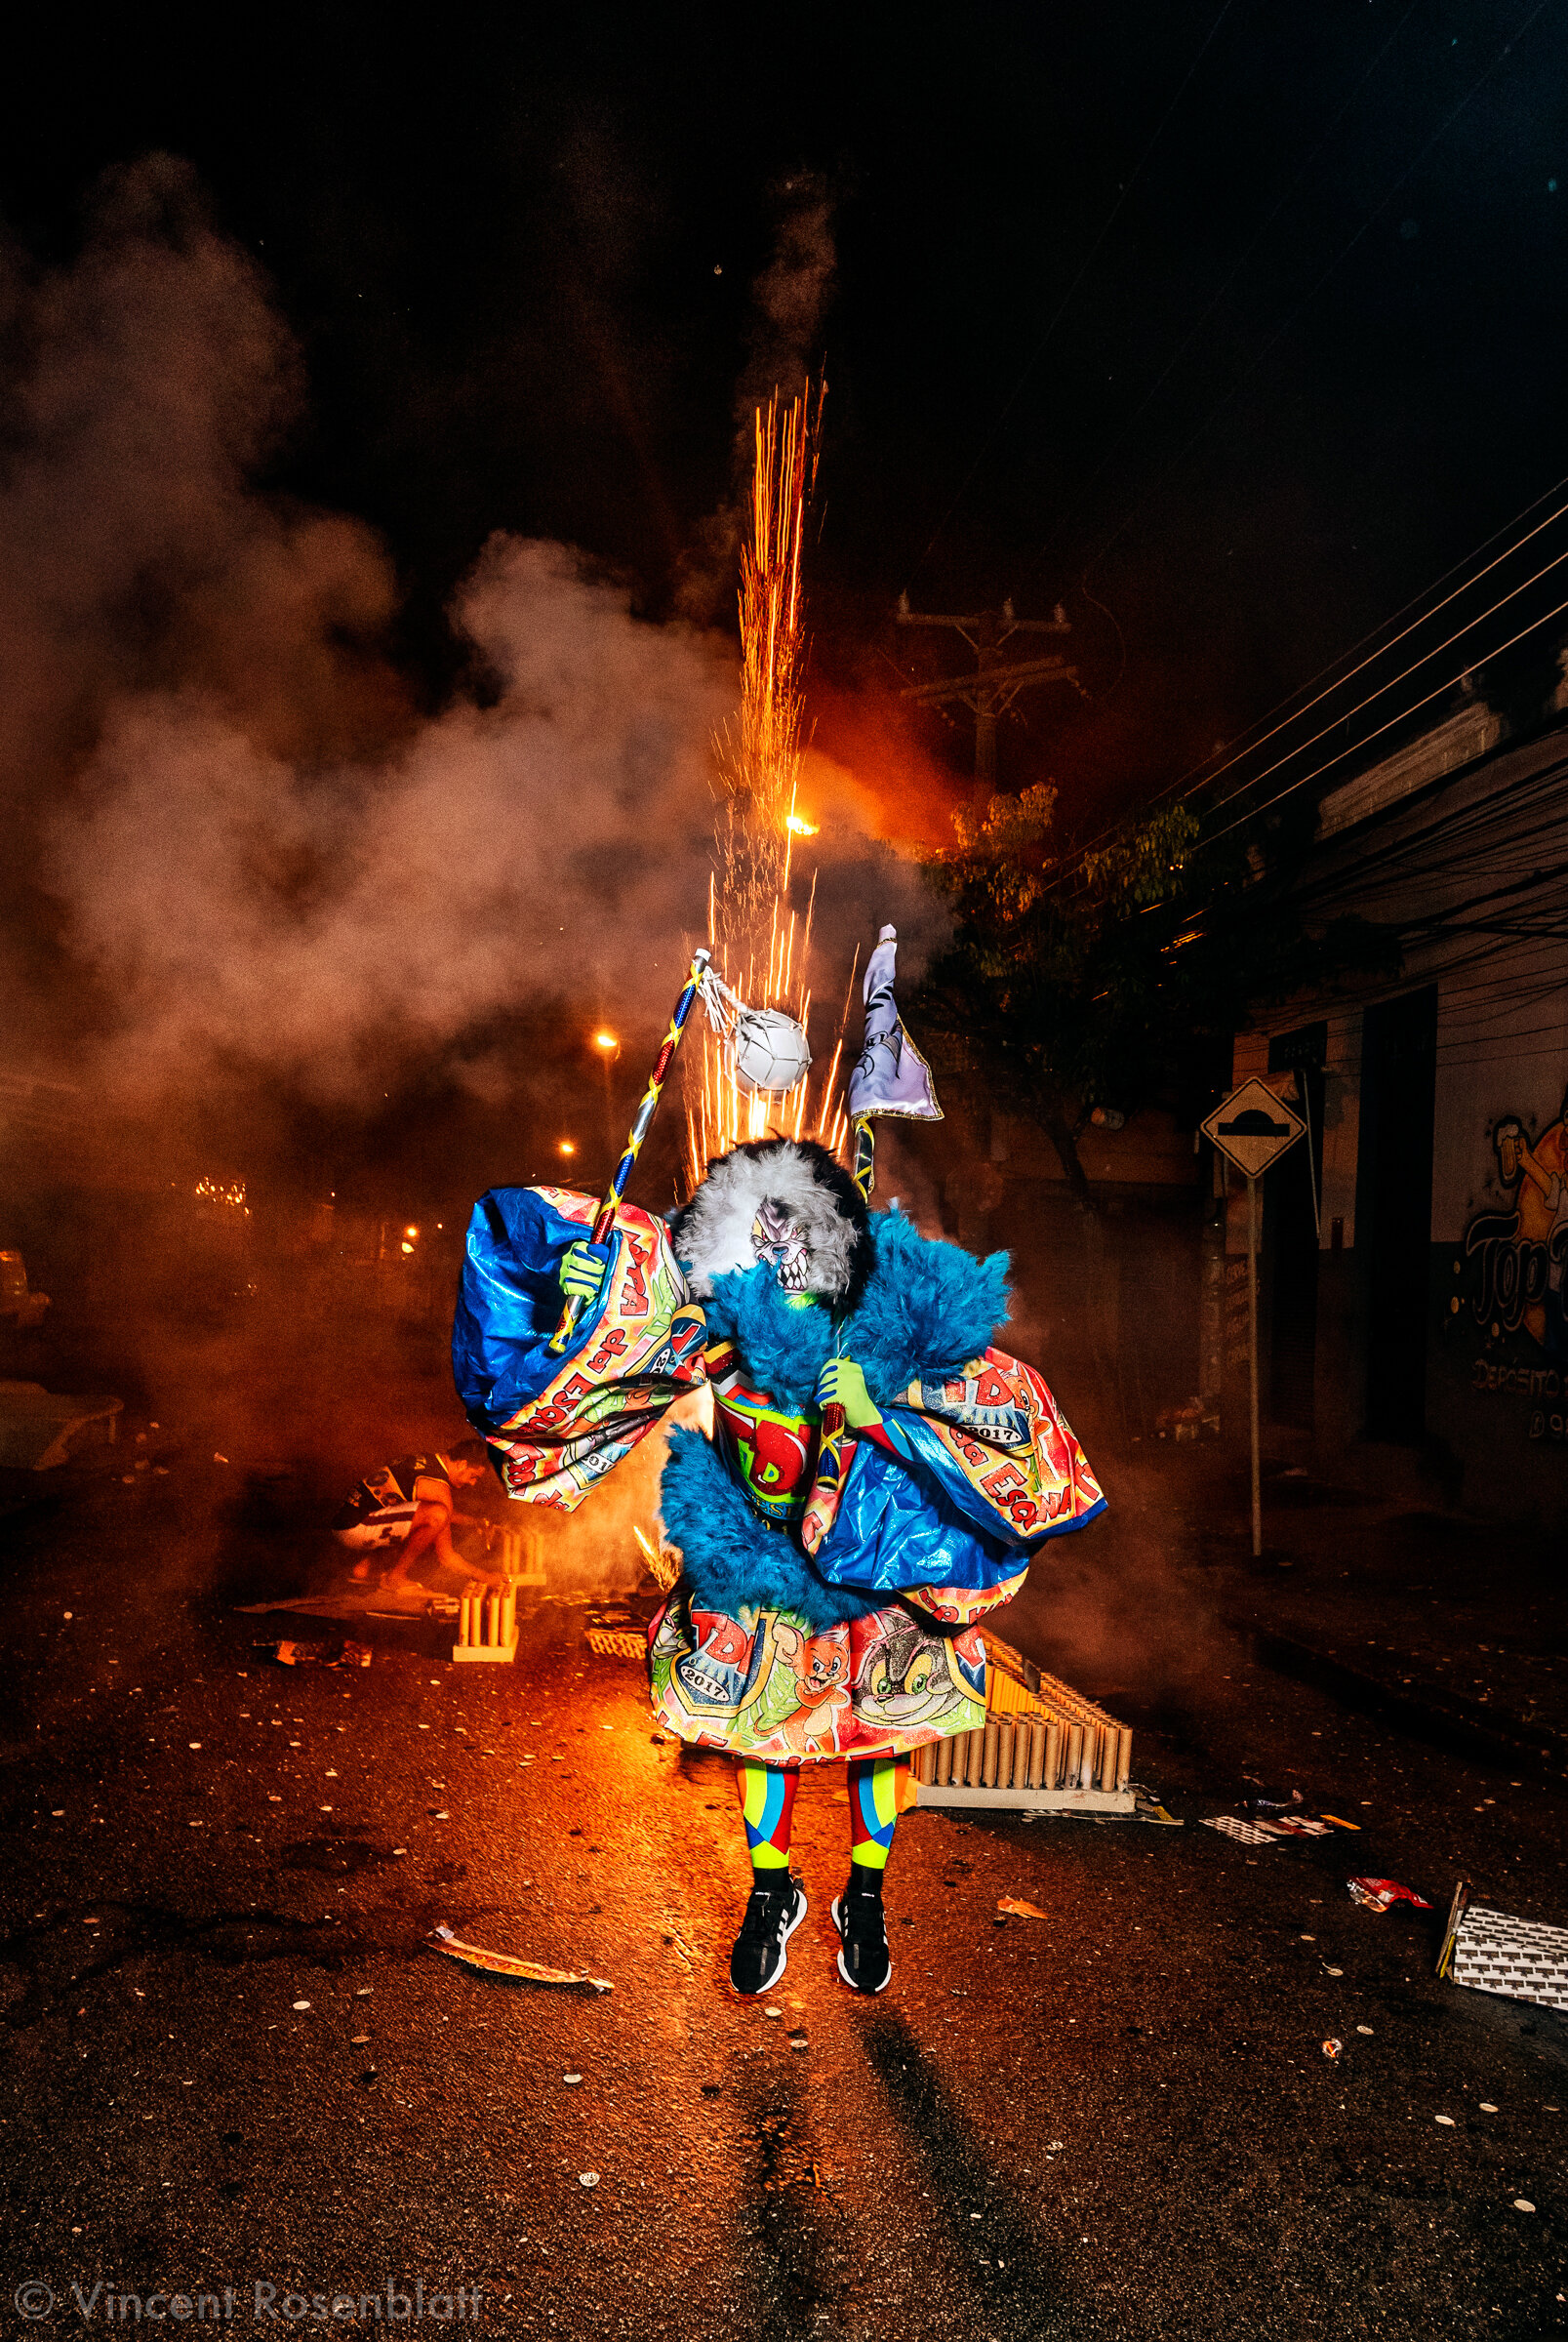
760 946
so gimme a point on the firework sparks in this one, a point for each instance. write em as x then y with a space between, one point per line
760 946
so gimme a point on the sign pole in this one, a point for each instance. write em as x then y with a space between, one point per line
1252 1366
1252 1129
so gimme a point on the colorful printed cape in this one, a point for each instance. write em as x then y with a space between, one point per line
861 1638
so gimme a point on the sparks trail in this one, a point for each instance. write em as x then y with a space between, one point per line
761 946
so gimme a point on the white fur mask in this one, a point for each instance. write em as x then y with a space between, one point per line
766 1207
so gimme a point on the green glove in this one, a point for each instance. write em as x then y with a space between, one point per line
583 1272
841 1380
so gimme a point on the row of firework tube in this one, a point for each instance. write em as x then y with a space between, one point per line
488 1621
1040 1753
1039 1734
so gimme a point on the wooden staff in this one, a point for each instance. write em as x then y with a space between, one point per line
605 1219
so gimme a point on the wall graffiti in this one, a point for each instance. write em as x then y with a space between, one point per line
1508 1276
1516 1259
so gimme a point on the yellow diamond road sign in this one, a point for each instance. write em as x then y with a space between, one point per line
1253 1128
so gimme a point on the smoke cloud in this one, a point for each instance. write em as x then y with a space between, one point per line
255 858
790 297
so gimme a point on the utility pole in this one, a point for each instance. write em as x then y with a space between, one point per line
995 683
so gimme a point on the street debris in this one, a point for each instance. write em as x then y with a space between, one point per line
319 1654
502 1963
1523 2203
1022 1911
588 2179
1491 1952
1339 1823
1246 1834
1332 2049
1380 1894
1260 1802
1149 1808
570 2079
608 1642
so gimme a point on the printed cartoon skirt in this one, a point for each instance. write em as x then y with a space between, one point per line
762 1685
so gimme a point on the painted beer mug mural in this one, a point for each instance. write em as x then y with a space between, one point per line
1516 1259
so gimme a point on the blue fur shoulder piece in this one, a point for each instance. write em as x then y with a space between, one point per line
731 1559
929 1308
783 1349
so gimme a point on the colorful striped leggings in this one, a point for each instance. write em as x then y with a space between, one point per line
766 1794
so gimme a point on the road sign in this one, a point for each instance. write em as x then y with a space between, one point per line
1253 1128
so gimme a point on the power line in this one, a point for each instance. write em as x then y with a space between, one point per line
1544 619
1470 624
1329 689
1203 779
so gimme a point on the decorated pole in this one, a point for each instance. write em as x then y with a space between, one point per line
890 1077
864 1155
605 1219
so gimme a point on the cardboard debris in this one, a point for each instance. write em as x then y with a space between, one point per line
615 1642
1490 1951
1022 1911
502 1963
1246 1834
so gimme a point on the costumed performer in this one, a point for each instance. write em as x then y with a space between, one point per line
829 1589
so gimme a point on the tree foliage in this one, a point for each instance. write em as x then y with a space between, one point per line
1110 978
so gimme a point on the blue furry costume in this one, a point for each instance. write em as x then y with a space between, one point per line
820 1613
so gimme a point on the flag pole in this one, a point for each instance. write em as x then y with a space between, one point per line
605 1218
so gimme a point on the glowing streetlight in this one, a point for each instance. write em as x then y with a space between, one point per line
411 1231
605 1041
566 1146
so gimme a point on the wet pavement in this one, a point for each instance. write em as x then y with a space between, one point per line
1116 2121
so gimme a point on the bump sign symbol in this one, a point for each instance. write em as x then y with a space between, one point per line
1253 1128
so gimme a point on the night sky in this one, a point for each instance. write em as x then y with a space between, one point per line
1244 321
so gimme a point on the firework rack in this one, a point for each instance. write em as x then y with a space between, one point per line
487 1626
522 1563
1043 1747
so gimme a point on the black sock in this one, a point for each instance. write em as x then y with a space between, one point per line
865 1878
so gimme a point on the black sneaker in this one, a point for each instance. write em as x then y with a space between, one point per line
771 1915
864 1960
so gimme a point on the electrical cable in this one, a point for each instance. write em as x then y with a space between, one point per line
1544 618
1196 775
1301 747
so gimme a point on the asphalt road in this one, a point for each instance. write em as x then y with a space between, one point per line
1117 2122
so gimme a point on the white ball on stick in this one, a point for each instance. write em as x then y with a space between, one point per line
769 1051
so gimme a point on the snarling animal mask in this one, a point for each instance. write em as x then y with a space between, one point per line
784 1203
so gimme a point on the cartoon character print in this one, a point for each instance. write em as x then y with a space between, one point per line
904 1680
821 1670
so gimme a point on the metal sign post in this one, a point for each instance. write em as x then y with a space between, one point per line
1252 1130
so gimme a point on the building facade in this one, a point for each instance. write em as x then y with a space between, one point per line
1415 1243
